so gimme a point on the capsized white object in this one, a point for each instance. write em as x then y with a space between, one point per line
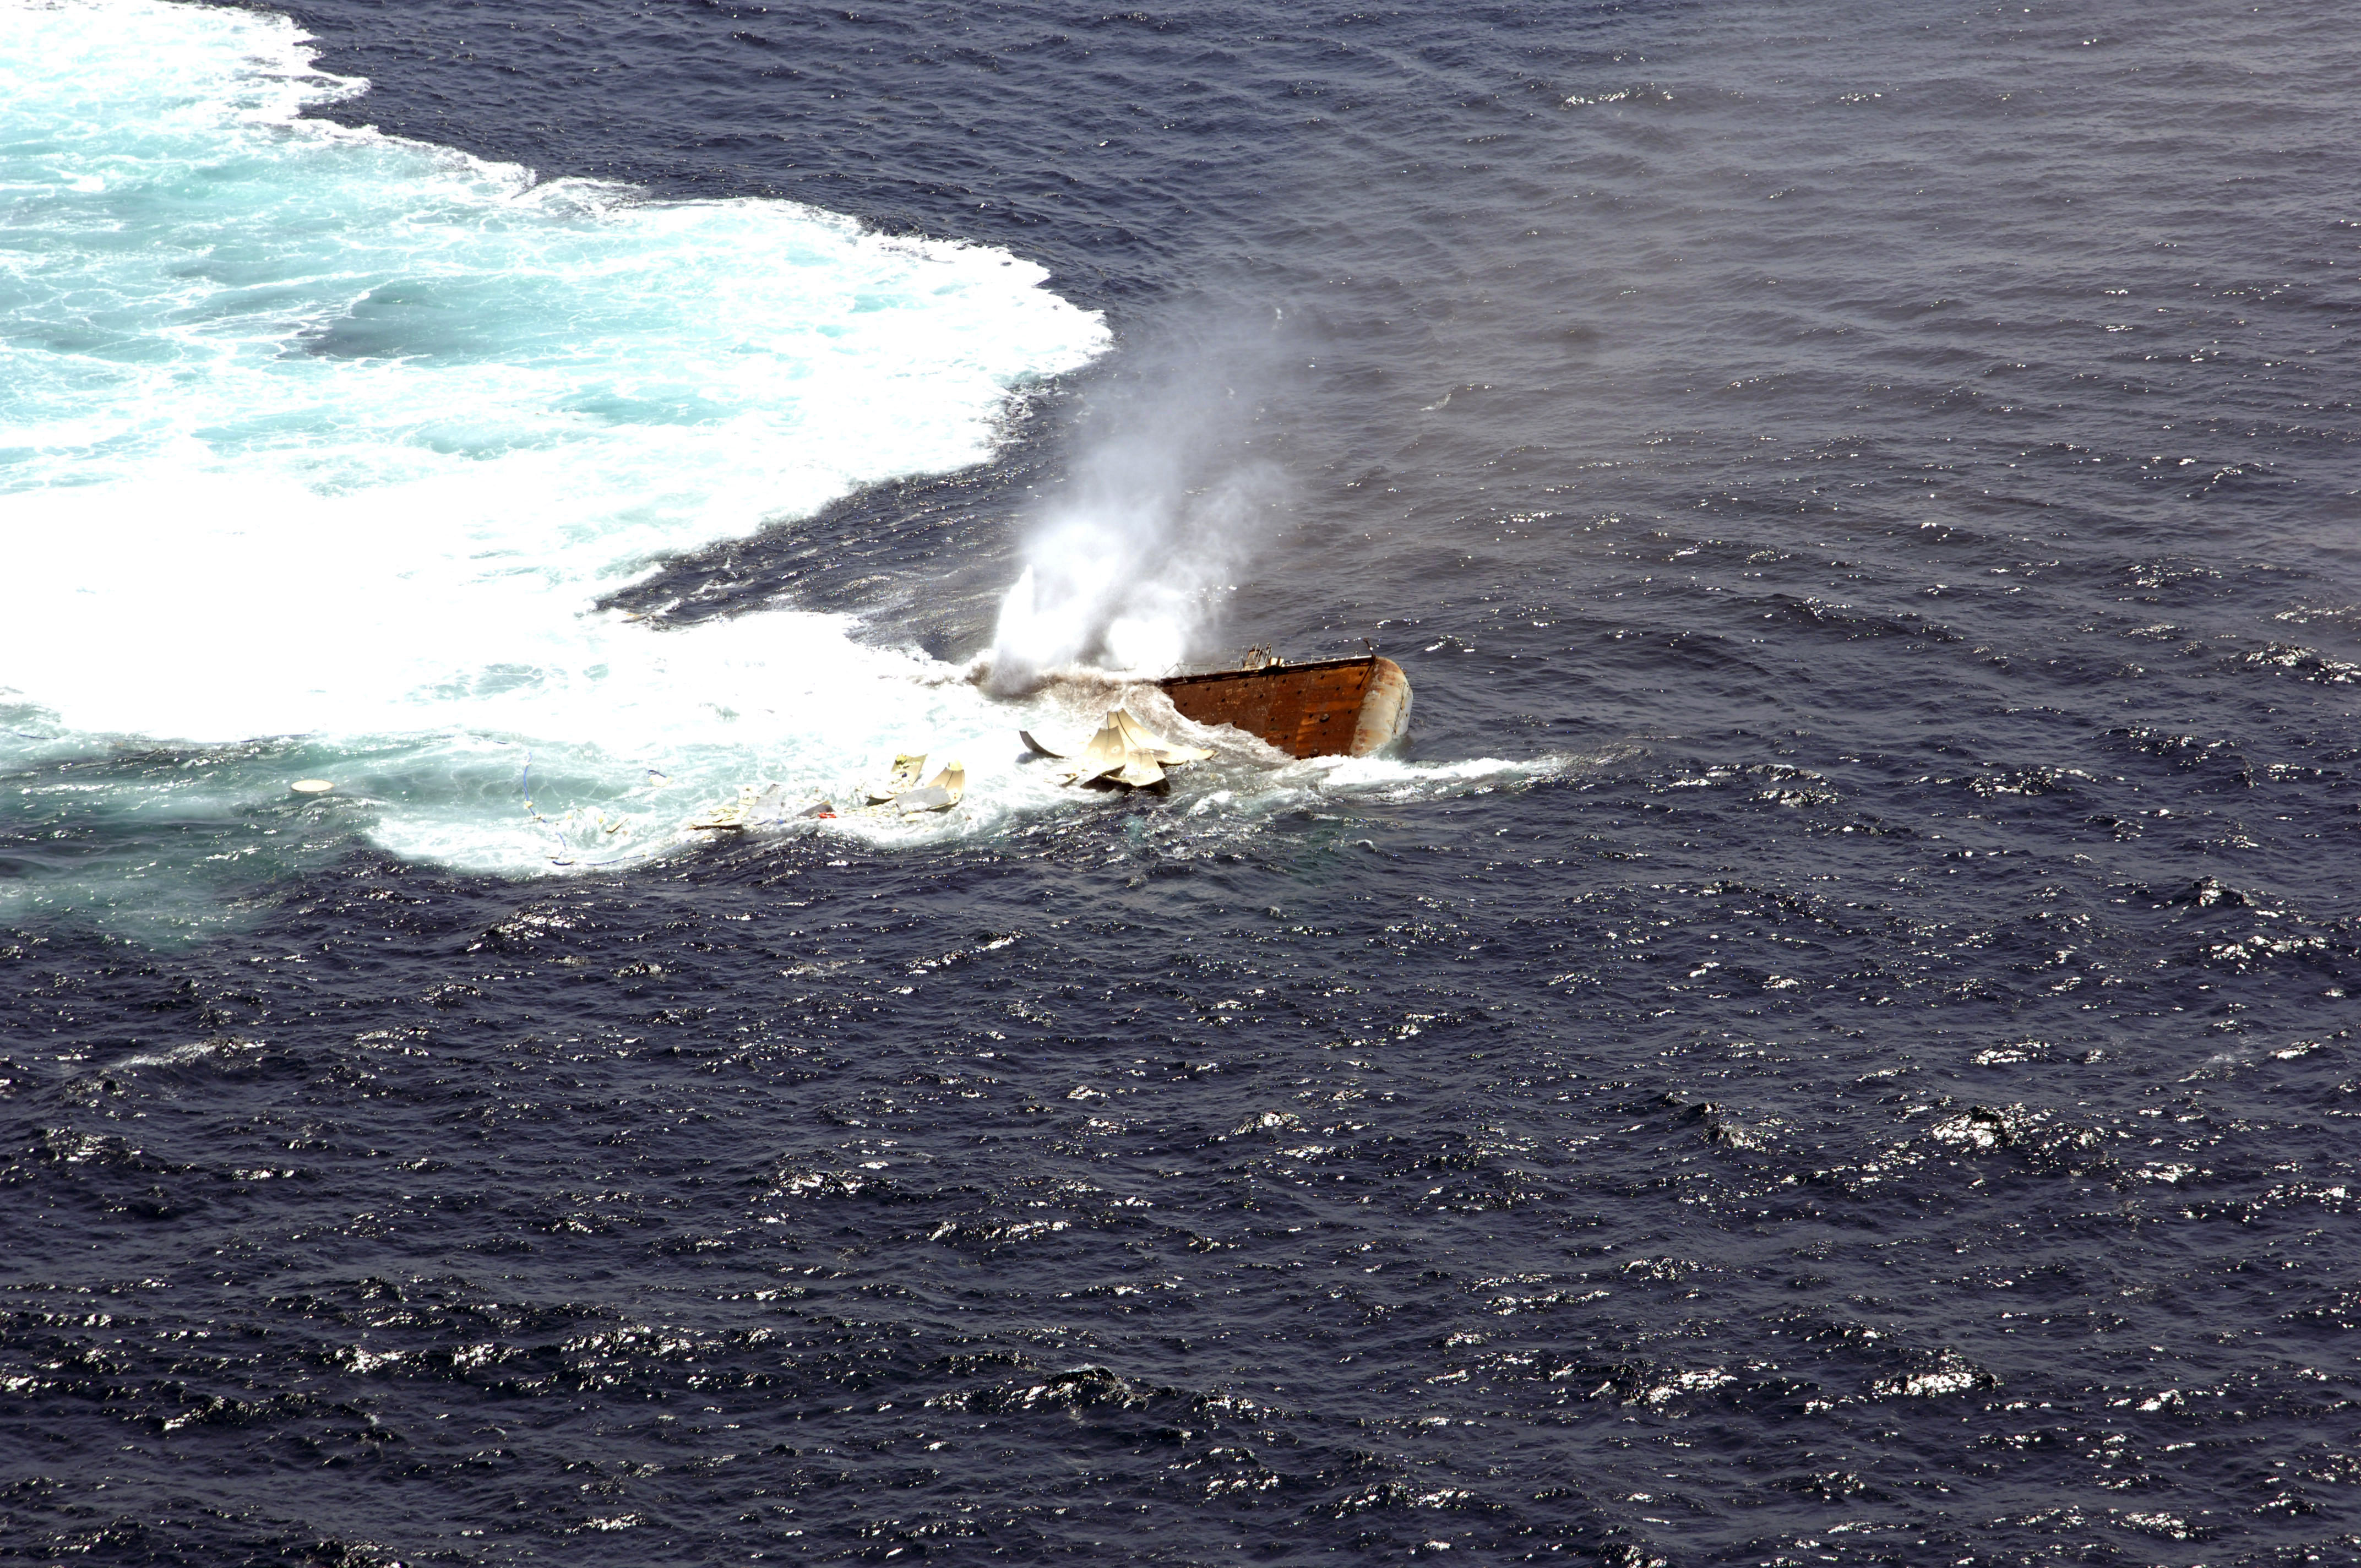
907 768
939 793
312 787
1126 751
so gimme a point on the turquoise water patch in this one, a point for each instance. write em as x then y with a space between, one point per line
323 442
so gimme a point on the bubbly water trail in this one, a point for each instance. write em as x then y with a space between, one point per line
318 446
311 431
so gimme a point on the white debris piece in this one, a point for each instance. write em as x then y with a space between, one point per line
1124 751
938 794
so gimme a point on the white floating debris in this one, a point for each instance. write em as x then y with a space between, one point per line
904 778
901 795
939 793
771 807
312 787
1125 752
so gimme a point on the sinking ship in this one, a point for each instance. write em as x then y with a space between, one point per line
1327 708
1330 708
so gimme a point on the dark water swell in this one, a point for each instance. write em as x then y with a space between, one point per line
1875 1088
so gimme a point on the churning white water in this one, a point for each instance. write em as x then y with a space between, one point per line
313 432
317 448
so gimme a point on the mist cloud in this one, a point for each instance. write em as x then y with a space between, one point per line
1126 569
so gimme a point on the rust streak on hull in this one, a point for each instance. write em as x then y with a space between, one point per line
1326 708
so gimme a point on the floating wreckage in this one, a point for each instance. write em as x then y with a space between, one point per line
1124 751
757 808
900 795
1328 707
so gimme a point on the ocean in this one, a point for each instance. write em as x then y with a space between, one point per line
1830 1042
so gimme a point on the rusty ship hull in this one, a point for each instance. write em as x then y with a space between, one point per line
1324 709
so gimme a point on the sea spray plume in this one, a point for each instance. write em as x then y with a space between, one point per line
1165 507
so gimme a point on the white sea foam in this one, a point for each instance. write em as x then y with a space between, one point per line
333 440
311 431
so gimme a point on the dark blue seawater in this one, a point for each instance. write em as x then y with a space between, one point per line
1877 1086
